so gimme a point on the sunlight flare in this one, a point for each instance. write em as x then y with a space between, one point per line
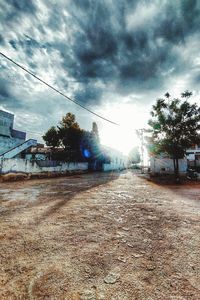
123 137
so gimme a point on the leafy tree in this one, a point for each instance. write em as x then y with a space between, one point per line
186 94
167 95
69 121
51 137
175 127
78 144
70 132
134 155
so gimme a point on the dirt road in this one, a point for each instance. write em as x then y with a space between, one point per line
99 237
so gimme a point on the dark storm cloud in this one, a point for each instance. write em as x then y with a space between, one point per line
7 98
28 44
4 89
105 48
1 39
22 5
180 19
90 92
12 9
125 45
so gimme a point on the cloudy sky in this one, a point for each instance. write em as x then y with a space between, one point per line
116 57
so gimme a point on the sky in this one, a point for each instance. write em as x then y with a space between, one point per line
114 57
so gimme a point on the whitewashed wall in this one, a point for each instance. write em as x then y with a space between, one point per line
26 166
115 166
166 165
111 167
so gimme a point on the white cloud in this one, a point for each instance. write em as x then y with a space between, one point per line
143 15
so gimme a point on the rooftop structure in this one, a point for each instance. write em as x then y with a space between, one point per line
11 140
6 126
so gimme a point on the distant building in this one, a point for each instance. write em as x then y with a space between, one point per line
165 165
114 160
193 156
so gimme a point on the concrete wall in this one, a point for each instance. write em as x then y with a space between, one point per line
113 166
26 166
117 162
34 167
166 165
37 156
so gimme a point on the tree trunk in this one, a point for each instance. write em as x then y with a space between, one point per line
176 168
174 162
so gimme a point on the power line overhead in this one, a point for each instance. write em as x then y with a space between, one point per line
56 90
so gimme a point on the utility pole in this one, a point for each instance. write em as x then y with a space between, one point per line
140 133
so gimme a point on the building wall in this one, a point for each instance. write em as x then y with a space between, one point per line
117 162
7 143
18 134
166 165
36 156
6 123
9 137
191 153
26 166
113 166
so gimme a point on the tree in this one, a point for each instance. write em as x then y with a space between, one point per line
186 94
70 132
77 143
69 121
167 95
175 127
51 137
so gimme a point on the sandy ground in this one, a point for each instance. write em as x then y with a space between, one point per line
99 237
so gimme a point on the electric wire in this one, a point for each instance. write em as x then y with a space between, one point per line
57 91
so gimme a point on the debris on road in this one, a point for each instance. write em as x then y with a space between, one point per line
111 278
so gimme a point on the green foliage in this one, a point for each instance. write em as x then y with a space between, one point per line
175 125
186 94
51 137
73 139
69 132
69 121
167 95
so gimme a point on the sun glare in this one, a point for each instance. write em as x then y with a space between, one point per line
122 138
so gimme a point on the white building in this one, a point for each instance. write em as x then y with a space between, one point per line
117 161
12 142
193 156
165 165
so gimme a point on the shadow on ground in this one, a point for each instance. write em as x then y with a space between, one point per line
189 189
55 192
